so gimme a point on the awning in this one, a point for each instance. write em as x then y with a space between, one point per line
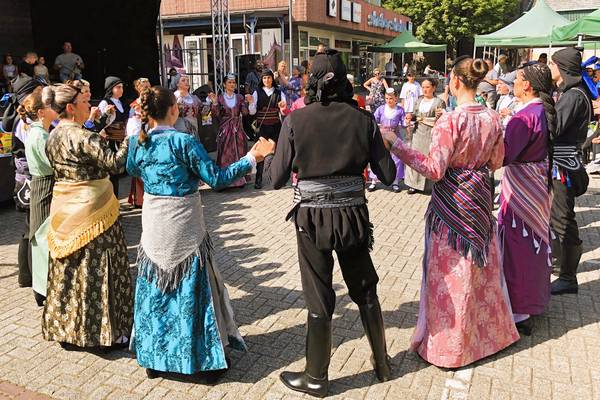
532 29
588 26
406 43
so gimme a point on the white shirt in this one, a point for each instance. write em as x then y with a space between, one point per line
425 105
104 104
410 93
269 92
390 67
229 101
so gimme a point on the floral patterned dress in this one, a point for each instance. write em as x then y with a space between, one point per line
464 312
376 94
90 297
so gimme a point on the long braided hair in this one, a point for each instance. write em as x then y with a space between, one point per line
155 103
540 78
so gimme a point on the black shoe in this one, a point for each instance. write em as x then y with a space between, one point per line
69 346
396 188
258 185
561 286
411 191
39 298
372 320
372 187
314 380
152 373
525 327
569 261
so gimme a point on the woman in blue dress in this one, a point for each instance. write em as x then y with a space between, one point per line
183 317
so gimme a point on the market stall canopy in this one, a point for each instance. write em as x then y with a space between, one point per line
406 43
533 29
588 26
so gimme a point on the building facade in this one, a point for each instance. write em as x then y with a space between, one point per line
261 27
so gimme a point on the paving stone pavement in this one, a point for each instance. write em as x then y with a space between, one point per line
256 253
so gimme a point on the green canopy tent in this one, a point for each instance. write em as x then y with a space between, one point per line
532 29
588 26
407 43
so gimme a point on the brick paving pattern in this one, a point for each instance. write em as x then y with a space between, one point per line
256 253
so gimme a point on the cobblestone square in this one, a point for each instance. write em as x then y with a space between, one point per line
256 253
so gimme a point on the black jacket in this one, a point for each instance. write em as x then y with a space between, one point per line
573 114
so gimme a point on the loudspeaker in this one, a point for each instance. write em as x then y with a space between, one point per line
245 63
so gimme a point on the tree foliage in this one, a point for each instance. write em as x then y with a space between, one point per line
448 21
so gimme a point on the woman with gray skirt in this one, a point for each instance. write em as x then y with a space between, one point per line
427 110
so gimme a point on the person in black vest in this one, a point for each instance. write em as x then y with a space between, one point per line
328 144
573 114
267 102
115 128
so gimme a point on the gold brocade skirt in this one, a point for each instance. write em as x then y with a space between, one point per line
90 297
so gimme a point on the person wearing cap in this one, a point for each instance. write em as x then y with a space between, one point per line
569 178
268 102
229 108
506 102
525 198
22 86
115 129
330 212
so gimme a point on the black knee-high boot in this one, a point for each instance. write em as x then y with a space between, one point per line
372 321
314 380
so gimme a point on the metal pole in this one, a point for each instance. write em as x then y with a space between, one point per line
446 61
291 47
163 67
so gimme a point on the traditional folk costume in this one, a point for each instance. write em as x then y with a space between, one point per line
569 178
265 109
183 316
424 116
42 184
232 143
464 314
392 120
189 110
330 212
89 297
524 213
116 127
134 126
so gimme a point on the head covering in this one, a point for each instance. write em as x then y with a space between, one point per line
328 81
390 91
229 76
109 83
509 79
540 77
568 61
23 86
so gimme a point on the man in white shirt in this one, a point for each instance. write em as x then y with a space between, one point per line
410 92
68 64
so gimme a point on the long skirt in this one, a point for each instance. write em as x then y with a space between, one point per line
421 141
90 300
39 210
526 269
232 145
185 330
464 311
399 164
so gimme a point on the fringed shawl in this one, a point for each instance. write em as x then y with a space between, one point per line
173 236
462 202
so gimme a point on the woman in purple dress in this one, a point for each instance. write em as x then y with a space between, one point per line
232 143
526 197
390 117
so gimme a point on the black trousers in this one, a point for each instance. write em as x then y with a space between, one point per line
114 179
268 132
562 214
24 256
316 271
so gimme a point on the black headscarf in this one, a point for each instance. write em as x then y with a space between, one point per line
109 83
328 81
266 72
22 86
568 61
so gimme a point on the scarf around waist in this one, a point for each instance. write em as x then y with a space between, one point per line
568 157
79 213
173 235
329 192
462 202
525 192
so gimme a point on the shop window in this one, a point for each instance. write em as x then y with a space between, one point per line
343 44
314 41
303 39
325 41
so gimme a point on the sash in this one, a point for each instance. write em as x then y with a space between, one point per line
80 212
525 192
462 202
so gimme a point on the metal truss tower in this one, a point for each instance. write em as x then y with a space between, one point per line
222 51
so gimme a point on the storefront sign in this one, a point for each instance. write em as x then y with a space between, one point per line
332 8
379 21
356 12
346 10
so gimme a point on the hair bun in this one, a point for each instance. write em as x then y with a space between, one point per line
48 95
479 69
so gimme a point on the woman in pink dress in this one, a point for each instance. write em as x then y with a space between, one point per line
464 312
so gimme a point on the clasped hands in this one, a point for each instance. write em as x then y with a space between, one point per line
262 148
